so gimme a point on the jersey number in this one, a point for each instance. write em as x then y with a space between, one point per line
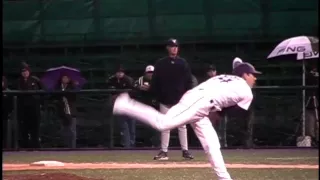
225 79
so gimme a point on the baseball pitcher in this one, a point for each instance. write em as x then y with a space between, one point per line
229 93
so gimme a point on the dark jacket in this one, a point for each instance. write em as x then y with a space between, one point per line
141 81
31 83
124 83
170 80
7 103
66 101
194 81
144 96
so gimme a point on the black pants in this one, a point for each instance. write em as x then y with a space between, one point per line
127 130
29 126
5 117
6 111
68 130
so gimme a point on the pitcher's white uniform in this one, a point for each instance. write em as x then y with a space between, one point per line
212 95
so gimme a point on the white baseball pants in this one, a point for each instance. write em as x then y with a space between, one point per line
165 135
193 108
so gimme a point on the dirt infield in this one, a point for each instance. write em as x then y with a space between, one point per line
46 176
65 176
17 167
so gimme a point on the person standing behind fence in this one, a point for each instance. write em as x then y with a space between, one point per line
312 106
66 110
211 71
144 95
6 110
127 127
194 81
171 79
29 110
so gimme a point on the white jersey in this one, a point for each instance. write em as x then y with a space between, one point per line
225 91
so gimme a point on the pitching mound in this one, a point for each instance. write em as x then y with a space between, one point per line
45 176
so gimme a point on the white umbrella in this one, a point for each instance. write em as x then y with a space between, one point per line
295 45
304 47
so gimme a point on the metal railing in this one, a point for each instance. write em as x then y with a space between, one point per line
261 91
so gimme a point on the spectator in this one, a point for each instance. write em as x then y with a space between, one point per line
144 95
28 110
194 81
121 81
6 110
171 79
211 71
66 111
312 106
143 85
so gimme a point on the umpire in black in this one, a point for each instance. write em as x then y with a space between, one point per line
171 79
28 110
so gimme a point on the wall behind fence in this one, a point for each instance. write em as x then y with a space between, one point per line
79 20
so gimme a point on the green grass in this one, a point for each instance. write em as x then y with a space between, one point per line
301 156
230 156
188 174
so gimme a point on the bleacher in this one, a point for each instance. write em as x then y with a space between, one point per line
96 36
90 22
96 65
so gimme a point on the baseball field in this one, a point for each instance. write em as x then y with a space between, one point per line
256 164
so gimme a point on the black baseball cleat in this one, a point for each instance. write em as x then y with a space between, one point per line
187 155
162 156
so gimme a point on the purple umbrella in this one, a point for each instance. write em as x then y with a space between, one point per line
53 75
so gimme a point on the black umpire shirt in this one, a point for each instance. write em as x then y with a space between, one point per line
171 79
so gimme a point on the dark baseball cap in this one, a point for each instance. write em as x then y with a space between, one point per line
245 68
211 68
120 68
172 42
24 67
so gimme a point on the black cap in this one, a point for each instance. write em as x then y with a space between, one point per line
245 68
211 68
172 42
120 68
24 67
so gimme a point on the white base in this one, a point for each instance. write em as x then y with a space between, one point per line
304 141
47 163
